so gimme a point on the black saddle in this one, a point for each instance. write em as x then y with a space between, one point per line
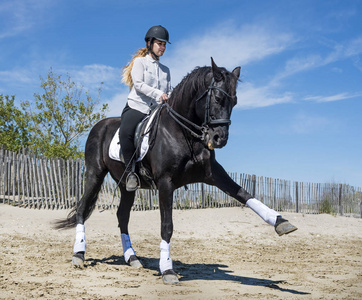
140 131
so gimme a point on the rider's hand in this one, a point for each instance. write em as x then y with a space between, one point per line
163 98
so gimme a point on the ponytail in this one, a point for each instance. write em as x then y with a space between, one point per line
126 73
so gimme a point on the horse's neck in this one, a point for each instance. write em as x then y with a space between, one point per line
185 107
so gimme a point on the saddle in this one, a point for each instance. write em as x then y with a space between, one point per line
141 142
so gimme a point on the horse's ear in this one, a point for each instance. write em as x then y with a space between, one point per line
216 71
236 72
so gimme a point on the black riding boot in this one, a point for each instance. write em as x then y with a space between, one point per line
130 119
132 180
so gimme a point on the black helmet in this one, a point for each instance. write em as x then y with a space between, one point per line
157 32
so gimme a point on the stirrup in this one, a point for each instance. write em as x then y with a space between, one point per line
132 184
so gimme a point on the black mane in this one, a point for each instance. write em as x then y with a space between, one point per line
195 83
190 84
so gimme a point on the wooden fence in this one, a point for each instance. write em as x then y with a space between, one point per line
31 181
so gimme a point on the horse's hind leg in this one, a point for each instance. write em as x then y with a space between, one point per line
83 211
123 215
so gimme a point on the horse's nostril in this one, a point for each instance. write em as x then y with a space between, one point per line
216 138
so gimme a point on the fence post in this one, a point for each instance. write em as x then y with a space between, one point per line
296 197
150 199
253 180
202 196
340 200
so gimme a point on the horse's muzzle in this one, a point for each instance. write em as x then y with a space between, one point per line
218 137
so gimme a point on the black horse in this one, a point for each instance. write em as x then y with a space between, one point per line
191 125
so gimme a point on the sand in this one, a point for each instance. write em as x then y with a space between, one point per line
221 253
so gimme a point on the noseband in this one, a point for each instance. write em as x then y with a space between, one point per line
207 120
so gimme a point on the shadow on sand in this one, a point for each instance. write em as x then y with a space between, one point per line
190 272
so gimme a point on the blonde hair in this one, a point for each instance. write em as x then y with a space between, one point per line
126 73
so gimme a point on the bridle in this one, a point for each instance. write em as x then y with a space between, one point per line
208 122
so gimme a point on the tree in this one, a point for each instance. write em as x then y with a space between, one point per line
14 134
60 116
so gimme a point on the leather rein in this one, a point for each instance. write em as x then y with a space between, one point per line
204 128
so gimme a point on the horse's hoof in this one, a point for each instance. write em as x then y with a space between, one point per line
78 260
283 226
169 277
134 262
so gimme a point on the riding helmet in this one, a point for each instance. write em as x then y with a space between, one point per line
157 32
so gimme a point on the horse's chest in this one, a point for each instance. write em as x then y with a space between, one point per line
197 161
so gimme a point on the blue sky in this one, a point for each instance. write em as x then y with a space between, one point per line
300 100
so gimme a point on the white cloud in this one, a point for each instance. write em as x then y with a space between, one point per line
354 47
18 16
229 45
232 46
18 76
264 96
116 104
91 76
253 97
337 97
297 65
304 124
350 49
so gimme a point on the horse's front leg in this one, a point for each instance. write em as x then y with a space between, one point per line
223 181
165 199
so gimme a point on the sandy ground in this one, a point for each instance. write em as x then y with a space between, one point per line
225 253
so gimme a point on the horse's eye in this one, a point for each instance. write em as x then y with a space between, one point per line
218 99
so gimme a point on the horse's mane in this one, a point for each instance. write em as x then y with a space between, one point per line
191 83
195 82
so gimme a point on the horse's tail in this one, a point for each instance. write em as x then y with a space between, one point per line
96 171
71 220
67 223
88 201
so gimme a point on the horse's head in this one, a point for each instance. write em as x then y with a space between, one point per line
216 104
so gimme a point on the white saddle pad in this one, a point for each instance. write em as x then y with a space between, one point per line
114 147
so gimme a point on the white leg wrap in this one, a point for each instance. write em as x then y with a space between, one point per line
165 259
79 245
267 214
127 247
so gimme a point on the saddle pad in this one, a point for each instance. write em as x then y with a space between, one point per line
115 147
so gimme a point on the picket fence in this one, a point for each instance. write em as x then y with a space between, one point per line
28 180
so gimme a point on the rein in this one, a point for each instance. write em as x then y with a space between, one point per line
207 120
177 117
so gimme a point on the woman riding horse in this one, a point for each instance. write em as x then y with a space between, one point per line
150 84
195 120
